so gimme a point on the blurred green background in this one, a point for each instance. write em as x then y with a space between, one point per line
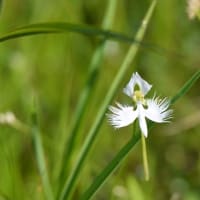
55 67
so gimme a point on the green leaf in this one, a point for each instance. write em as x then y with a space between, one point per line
111 167
69 186
61 27
86 92
186 87
40 157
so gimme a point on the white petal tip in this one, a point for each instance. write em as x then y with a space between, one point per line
145 135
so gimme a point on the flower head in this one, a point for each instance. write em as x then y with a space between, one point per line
154 109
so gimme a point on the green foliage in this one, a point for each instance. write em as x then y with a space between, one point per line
63 149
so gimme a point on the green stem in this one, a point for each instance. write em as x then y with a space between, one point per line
109 169
86 92
69 186
145 159
186 87
40 157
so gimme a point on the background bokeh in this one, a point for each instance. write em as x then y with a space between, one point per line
55 67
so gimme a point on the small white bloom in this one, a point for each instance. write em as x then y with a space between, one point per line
154 109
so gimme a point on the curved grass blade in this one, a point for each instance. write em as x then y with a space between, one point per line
61 27
123 153
86 92
111 167
37 142
186 87
70 183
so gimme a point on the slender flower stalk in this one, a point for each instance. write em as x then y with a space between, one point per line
154 109
145 159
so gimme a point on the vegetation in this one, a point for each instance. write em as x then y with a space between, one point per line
62 63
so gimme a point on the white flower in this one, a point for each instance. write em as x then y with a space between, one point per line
154 109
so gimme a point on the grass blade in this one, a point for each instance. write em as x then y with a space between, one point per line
37 141
111 167
123 153
86 92
186 87
61 27
69 186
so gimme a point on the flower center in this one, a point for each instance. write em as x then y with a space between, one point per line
139 97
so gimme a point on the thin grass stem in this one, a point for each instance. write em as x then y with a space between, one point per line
86 92
186 87
40 157
70 183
